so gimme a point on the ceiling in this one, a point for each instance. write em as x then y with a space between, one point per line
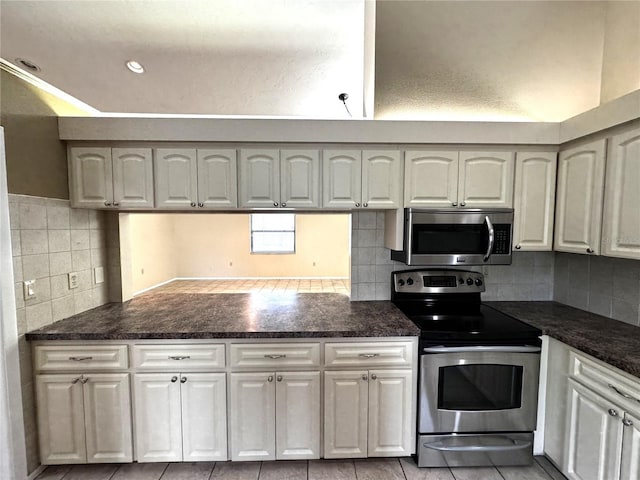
434 60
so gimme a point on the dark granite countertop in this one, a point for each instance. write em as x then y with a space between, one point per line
616 343
257 315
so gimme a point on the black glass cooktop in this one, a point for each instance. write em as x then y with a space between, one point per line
481 326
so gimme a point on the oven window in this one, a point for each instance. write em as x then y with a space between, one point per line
447 239
480 387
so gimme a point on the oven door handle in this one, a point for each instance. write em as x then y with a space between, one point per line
440 446
478 348
491 238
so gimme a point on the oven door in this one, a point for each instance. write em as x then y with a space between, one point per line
478 389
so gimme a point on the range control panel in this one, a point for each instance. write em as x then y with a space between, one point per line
438 281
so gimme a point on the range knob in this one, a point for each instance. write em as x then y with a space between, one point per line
469 281
478 282
409 281
401 282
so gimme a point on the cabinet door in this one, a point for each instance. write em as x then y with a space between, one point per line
390 420
346 397
204 416
259 182
297 415
381 179
60 419
579 198
631 449
217 179
621 235
158 417
300 178
90 177
341 178
132 178
107 417
485 179
594 437
176 178
252 416
430 179
534 200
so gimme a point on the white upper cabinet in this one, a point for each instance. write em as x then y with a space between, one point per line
431 179
485 179
217 178
621 221
107 178
579 198
279 178
300 178
176 178
534 200
187 178
132 177
464 179
362 179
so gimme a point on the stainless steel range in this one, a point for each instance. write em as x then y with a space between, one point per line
478 375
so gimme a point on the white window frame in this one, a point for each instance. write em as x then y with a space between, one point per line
274 230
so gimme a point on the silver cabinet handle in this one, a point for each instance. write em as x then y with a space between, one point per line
270 378
80 359
284 204
589 250
373 376
116 204
491 236
107 204
623 394
193 204
627 423
75 380
200 204
183 379
357 205
369 355
174 379
463 204
454 204
612 412
518 247
279 378
364 376
179 357
275 356
84 380
365 205
275 204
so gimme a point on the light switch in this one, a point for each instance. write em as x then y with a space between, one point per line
29 287
98 275
73 280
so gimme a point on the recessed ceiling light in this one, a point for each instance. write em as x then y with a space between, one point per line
28 64
134 66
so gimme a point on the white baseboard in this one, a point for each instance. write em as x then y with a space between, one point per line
36 472
153 286
261 278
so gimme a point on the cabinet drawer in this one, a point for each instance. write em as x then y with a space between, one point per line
604 380
275 355
178 357
81 358
393 354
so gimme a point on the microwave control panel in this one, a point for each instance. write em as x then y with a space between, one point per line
502 242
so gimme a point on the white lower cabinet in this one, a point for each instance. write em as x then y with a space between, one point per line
180 417
630 464
275 415
368 413
84 418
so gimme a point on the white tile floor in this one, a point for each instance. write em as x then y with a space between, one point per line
366 469
330 285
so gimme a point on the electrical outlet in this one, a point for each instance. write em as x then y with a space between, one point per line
98 275
73 280
29 287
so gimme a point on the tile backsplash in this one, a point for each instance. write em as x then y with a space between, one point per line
603 285
529 277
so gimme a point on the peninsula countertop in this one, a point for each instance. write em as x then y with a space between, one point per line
237 315
614 342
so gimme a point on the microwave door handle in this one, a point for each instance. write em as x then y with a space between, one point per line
491 237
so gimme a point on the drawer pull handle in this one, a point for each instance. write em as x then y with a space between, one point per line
75 380
627 423
613 412
279 378
179 357
270 378
174 379
623 394
369 355
84 380
275 356
183 379
80 359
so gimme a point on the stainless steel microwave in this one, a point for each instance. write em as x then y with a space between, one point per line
456 237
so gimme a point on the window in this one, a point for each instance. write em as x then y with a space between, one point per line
273 233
